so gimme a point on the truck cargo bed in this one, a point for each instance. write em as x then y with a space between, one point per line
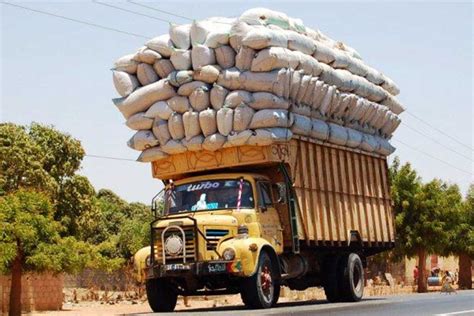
341 192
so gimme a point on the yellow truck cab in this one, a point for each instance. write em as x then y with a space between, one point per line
250 219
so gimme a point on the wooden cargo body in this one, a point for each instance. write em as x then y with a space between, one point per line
339 190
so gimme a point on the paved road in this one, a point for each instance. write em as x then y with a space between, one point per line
433 304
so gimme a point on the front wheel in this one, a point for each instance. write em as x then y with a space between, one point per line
161 295
263 288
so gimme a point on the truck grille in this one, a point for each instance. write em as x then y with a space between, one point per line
213 236
190 245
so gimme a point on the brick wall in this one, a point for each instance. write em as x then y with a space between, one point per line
39 292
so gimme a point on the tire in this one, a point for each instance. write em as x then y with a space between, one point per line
351 278
262 289
161 295
331 282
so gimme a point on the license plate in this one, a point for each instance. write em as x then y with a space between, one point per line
216 267
176 267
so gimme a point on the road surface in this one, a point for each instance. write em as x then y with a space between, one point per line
433 304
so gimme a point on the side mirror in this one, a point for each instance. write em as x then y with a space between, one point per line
280 190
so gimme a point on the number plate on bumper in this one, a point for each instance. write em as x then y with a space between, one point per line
177 267
216 267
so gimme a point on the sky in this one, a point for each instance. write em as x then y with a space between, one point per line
58 72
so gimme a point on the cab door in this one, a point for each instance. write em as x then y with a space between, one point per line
268 217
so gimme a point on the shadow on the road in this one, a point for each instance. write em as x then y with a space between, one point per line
242 307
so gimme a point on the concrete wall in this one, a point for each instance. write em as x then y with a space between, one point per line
39 292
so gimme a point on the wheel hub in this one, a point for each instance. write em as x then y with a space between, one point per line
266 278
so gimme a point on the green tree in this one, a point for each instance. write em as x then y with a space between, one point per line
30 241
461 235
420 216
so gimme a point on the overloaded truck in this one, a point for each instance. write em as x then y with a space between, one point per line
251 219
271 141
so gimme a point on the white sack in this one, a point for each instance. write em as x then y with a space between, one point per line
302 125
173 147
243 59
152 154
337 134
208 73
230 79
146 74
225 118
191 124
159 109
266 100
217 96
259 38
263 16
163 67
201 56
301 43
124 82
161 131
187 88
239 138
369 143
237 97
207 121
194 144
141 99
225 56
146 55
393 104
354 138
139 121
274 58
176 126
213 142
384 148
179 104
126 63
271 118
319 130
142 140
243 115
266 136
199 99
178 78
181 59
180 35
162 44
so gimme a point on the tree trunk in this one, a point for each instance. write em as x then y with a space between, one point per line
15 289
422 277
465 272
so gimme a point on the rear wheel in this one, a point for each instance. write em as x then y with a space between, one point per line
351 278
262 289
161 295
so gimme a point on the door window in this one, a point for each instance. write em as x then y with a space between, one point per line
264 192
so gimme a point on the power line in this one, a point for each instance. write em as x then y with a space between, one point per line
159 10
110 158
431 156
171 13
130 11
438 142
439 130
76 20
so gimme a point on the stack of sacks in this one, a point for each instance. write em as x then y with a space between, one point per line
254 80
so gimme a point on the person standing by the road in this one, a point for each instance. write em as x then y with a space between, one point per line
415 275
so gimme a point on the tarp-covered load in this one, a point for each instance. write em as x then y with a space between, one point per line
261 78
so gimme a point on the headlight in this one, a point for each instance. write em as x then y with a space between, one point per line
228 254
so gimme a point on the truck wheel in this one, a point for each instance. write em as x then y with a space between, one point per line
351 278
331 284
262 289
161 295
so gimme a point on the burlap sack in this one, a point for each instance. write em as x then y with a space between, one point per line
146 74
181 59
199 99
180 35
152 154
141 99
187 88
163 67
139 121
159 109
162 44
225 118
176 126
243 115
179 104
207 121
217 96
225 56
191 124
126 63
142 140
213 142
124 82
161 131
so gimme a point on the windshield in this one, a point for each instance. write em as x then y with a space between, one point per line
209 195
